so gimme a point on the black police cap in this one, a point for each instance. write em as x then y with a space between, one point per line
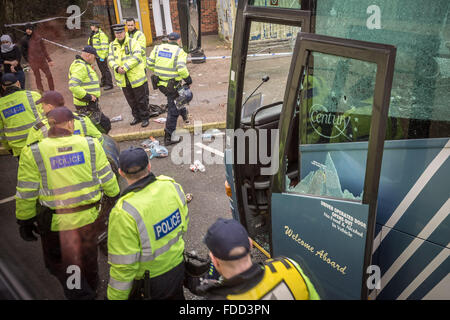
224 236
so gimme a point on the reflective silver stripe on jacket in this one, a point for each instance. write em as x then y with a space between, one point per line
71 188
27 194
105 170
120 285
15 138
107 178
166 69
28 184
75 80
92 89
68 202
180 193
175 61
83 84
91 145
159 74
32 105
139 80
40 164
137 257
163 249
44 131
83 124
143 234
21 128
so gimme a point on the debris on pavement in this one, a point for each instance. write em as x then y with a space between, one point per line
155 150
197 166
116 119
160 120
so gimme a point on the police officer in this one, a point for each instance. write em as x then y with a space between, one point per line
100 42
18 113
137 35
168 62
129 70
66 173
85 87
145 232
51 100
241 279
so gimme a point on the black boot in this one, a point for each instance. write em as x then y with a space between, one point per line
168 139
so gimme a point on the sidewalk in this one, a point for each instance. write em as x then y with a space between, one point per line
210 88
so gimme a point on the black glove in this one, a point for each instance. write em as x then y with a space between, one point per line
188 80
26 229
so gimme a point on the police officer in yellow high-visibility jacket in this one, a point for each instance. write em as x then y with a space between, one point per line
18 113
66 173
51 100
145 232
85 88
137 35
241 279
129 70
168 63
100 42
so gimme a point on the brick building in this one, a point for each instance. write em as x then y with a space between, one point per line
208 13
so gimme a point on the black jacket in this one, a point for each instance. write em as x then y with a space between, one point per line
238 284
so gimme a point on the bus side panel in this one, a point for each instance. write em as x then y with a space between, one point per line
411 267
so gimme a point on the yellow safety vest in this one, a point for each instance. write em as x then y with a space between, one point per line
168 61
18 114
145 233
283 280
100 42
64 172
83 80
128 56
139 36
82 126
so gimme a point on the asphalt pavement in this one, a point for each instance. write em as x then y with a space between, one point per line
25 258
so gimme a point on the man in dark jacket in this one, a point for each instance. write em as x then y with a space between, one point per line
35 53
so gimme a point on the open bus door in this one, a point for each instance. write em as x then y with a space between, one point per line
320 217
190 16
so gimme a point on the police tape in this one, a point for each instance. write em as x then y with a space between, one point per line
52 42
250 55
46 20
261 55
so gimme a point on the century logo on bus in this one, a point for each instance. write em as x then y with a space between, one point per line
320 117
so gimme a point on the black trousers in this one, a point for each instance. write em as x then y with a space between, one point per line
36 66
73 253
98 118
172 111
106 74
138 100
168 286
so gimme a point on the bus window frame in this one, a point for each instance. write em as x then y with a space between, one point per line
245 15
384 57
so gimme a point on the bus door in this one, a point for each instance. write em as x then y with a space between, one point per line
331 135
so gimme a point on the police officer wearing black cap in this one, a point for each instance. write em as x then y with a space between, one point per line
241 279
125 58
85 87
145 233
18 113
67 175
168 63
